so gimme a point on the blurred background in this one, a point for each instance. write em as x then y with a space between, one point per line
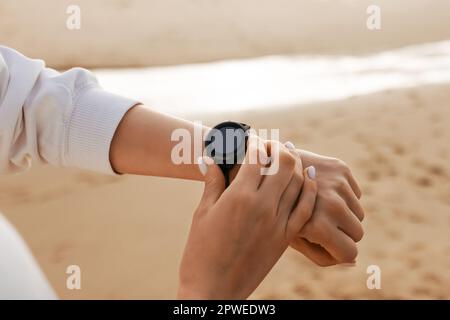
378 99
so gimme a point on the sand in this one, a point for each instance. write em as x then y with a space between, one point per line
124 33
127 233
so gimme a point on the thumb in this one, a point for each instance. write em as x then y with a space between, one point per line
214 181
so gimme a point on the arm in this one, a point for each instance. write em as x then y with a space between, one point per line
64 119
143 145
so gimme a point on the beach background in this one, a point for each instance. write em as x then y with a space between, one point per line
127 233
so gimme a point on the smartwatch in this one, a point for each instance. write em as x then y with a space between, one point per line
226 144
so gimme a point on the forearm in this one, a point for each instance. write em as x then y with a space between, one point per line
143 145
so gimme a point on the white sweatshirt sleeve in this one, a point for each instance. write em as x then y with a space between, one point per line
63 119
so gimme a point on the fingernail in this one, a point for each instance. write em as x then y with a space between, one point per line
311 170
202 166
264 158
209 161
289 145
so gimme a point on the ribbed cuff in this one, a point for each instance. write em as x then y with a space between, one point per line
91 127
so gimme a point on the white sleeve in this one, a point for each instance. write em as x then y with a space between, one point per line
63 119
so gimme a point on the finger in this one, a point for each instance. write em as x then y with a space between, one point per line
332 239
280 171
354 185
214 181
354 204
341 246
314 252
350 225
250 170
305 206
290 196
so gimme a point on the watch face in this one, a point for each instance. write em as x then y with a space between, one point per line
226 143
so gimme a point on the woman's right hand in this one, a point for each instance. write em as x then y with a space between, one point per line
239 233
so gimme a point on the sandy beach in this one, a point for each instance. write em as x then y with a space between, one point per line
127 233
124 33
